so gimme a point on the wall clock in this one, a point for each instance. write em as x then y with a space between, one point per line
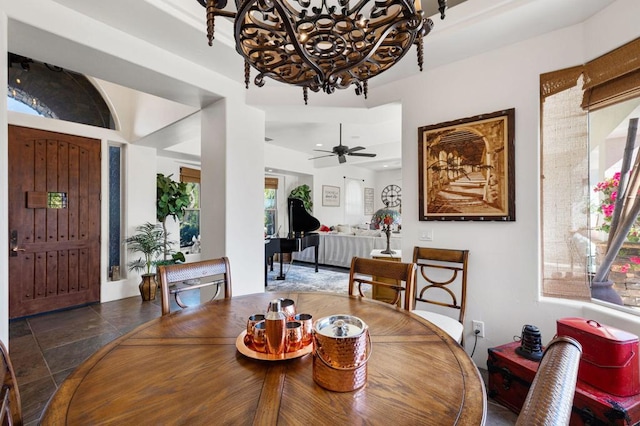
391 196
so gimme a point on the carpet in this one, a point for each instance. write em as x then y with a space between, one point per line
303 278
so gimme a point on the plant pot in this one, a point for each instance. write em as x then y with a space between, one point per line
604 291
148 287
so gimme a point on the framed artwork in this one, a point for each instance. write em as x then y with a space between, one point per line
330 196
466 169
368 201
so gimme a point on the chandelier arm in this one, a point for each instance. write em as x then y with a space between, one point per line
334 76
211 7
420 51
405 4
287 31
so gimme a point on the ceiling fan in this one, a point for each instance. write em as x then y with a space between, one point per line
342 150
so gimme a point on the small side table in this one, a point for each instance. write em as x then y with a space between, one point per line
379 292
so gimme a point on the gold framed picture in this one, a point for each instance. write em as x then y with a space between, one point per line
466 168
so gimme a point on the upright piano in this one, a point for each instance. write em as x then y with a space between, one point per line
299 237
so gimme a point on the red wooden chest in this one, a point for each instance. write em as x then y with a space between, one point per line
609 359
510 377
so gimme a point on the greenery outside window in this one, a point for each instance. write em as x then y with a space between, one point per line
270 205
190 224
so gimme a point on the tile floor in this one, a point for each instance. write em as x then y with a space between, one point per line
44 349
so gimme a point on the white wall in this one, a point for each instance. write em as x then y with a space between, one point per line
334 176
504 261
384 178
140 207
232 204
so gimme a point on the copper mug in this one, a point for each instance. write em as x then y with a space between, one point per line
259 337
307 327
253 320
293 337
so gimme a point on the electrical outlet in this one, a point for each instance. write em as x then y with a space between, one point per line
478 328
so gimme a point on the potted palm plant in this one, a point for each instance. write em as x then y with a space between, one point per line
149 239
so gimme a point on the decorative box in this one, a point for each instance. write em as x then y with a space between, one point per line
510 377
610 360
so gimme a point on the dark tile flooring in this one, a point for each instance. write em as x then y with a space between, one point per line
44 349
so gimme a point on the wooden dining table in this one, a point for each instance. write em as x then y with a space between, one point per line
184 368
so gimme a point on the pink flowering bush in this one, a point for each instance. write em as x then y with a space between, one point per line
623 268
609 190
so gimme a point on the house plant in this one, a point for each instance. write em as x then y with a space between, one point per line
172 199
149 240
303 192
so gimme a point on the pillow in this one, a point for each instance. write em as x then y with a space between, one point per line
344 229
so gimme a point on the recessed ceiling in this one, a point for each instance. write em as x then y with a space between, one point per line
178 26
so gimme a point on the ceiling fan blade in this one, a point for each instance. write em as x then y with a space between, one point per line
357 148
322 156
322 150
342 159
361 154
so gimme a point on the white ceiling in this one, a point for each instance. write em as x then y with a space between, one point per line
178 26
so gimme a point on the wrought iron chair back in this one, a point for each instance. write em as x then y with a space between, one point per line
178 278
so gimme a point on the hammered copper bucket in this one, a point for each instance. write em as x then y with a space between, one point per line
341 349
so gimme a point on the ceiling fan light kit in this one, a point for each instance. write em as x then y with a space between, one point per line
323 44
342 150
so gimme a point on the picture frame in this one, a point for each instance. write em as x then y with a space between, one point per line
467 169
330 196
368 200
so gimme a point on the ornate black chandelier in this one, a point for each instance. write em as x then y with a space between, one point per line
323 44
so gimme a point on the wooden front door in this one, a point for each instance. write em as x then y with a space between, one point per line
54 221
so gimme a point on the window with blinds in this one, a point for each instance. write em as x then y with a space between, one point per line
585 111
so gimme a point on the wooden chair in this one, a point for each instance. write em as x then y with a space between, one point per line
550 397
441 270
11 412
178 278
385 274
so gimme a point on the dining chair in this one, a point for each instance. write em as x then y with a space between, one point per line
550 397
385 275
442 282
11 413
178 278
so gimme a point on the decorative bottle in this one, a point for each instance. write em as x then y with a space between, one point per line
276 327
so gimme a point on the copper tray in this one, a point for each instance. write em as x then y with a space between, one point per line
246 351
